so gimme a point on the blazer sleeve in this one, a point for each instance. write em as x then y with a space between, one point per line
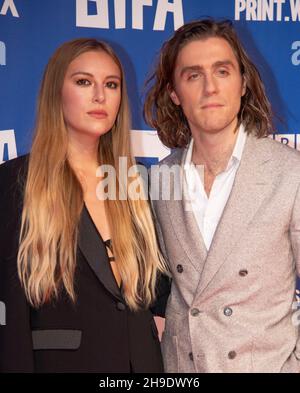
295 240
16 352
163 288
164 281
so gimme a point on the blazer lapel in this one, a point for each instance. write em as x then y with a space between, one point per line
184 222
94 251
251 185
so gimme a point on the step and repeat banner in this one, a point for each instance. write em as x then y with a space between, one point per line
30 31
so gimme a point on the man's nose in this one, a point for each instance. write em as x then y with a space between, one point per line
210 85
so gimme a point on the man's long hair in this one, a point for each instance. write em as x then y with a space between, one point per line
162 114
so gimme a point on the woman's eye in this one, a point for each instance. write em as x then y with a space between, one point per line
83 82
112 85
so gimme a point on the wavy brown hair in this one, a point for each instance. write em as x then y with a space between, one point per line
161 113
53 199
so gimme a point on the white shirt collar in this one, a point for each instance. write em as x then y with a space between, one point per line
240 143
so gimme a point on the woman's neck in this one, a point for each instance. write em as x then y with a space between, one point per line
83 153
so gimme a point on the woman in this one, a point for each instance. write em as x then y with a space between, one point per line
77 273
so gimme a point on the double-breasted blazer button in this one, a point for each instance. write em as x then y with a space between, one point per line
121 306
179 268
191 356
228 311
232 355
195 312
243 273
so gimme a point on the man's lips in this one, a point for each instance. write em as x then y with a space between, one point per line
211 106
98 114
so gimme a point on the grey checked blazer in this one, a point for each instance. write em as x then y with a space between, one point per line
231 309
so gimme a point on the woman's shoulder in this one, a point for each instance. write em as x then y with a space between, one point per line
13 175
12 169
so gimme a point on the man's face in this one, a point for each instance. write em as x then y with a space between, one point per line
208 85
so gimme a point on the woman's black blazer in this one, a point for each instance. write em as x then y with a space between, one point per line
96 334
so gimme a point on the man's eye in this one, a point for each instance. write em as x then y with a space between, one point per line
193 76
112 85
83 82
222 72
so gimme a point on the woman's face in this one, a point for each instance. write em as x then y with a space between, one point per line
91 94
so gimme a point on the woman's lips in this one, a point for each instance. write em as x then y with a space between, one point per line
98 114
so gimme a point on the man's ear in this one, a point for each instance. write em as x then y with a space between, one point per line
244 86
173 95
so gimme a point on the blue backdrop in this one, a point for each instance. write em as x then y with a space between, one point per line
31 30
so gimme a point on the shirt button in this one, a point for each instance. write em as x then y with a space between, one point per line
232 355
195 312
243 273
228 311
179 268
121 306
191 356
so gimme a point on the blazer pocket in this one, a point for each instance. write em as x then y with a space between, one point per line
56 339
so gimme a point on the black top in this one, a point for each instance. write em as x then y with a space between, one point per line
96 334
108 244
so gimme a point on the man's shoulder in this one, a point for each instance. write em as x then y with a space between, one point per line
281 151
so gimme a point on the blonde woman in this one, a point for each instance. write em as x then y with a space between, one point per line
77 273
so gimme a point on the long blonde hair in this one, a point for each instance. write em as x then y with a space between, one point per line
53 199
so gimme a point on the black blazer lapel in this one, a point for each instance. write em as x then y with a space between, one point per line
94 251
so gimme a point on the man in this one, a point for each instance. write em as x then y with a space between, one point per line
233 240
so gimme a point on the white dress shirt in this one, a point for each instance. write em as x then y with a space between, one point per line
208 210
